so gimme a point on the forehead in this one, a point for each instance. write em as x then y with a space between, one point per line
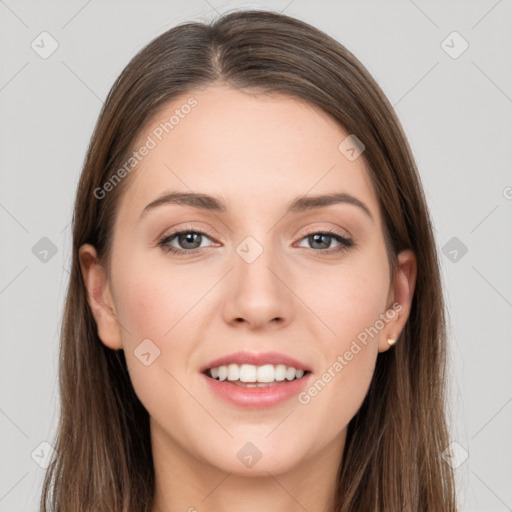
254 150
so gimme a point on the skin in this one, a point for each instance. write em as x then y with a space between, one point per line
257 153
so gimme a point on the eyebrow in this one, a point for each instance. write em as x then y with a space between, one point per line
215 204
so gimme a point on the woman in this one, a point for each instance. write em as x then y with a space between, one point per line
293 356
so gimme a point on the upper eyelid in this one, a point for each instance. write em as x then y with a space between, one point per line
187 229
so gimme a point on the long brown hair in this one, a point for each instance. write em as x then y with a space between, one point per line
392 459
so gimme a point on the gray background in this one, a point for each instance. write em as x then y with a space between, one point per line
456 112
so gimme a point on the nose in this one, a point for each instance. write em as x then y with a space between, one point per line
258 292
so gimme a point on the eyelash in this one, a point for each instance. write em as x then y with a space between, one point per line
345 243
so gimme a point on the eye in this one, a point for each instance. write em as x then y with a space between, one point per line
190 240
187 238
324 238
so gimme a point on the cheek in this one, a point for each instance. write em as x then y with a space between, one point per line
351 300
157 305
340 386
146 310
151 302
153 313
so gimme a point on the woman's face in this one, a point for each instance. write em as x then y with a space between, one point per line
251 278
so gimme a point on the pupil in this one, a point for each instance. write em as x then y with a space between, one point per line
188 238
317 236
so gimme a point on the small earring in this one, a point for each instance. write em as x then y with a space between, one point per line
391 341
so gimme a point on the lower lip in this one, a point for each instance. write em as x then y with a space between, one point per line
257 398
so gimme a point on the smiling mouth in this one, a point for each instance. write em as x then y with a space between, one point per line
250 376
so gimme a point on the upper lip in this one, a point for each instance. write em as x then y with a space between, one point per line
257 359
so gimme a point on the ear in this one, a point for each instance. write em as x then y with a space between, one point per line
400 295
100 298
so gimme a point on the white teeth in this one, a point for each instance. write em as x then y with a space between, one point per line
280 372
247 373
233 372
265 373
290 373
223 372
251 373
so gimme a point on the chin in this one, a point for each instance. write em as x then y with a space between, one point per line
255 458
